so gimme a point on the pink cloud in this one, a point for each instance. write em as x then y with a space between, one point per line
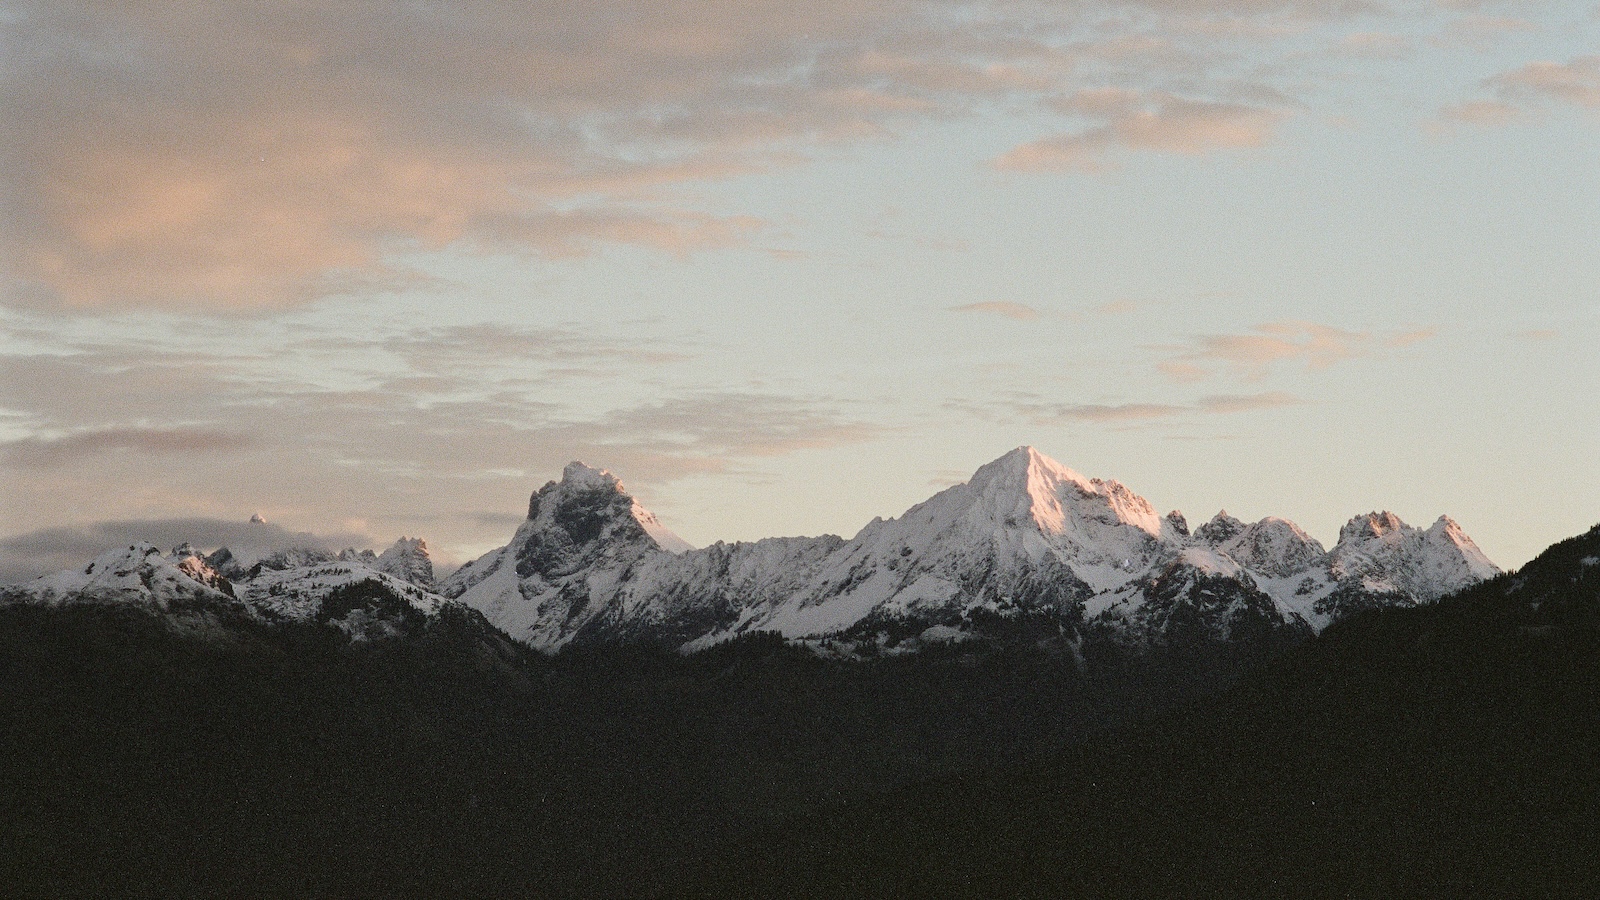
1252 354
1018 311
1576 82
1165 124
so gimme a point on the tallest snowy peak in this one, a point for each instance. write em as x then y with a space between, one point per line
1058 499
1025 469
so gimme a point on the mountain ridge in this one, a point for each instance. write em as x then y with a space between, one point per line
1024 536
1027 549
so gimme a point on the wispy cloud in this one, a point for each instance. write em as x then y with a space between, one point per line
1480 32
1576 82
1157 124
1374 45
1232 403
1037 411
1527 90
421 426
1004 309
47 452
1252 354
1480 113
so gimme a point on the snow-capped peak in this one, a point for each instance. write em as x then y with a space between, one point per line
137 573
579 475
1059 500
1445 533
1384 553
1274 546
1024 469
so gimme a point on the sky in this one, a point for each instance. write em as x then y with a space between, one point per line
374 269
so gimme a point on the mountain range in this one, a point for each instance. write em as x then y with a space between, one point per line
1026 548
1024 539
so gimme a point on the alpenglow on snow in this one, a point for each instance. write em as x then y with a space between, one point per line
1025 538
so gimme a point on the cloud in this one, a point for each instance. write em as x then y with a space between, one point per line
48 452
27 556
716 427
1576 82
1522 92
413 430
255 155
1040 412
1374 45
1168 125
1232 403
1481 113
1120 412
1252 354
1005 309
1116 308
1407 338
1480 32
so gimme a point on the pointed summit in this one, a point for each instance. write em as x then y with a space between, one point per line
1022 469
1027 484
1221 529
588 504
1274 546
1448 541
577 477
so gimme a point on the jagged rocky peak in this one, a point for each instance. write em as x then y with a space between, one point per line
1381 552
1179 524
408 560
1221 529
591 505
1372 525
